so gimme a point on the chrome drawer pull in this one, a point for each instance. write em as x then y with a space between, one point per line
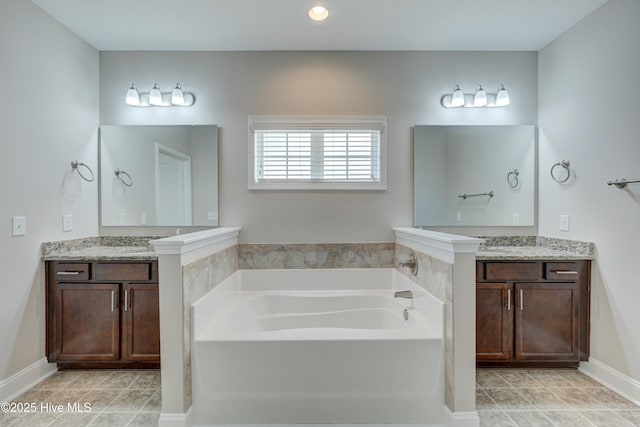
113 298
565 272
521 300
69 273
508 299
126 299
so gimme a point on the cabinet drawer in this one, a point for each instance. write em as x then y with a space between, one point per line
66 272
561 271
123 271
512 271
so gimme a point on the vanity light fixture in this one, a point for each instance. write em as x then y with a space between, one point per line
156 98
457 98
479 99
133 97
177 96
502 97
318 13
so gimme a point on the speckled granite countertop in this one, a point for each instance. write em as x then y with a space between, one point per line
104 248
533 248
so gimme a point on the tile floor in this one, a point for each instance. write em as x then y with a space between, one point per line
116 398
549 398
521 398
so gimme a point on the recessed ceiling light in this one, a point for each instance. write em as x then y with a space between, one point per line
318 13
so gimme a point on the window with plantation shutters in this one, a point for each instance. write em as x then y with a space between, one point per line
317 153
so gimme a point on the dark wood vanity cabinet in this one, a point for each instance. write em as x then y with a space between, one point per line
103 314
532 313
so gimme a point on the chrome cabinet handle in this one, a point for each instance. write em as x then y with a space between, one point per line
113 299
68 273
508 299
126 299
521 300
565 272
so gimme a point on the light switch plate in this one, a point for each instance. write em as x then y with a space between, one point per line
19 224
67 222
564 222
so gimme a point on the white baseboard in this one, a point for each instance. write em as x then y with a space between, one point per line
461 419
25 379
181 419
615 380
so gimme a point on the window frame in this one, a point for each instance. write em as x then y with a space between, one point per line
294 123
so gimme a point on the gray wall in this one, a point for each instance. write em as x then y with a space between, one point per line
48 117
405 86
589 115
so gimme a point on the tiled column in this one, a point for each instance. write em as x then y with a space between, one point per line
175 314
456 286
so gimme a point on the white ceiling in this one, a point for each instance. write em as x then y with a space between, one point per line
352 24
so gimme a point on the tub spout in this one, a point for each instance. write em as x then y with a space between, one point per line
403 294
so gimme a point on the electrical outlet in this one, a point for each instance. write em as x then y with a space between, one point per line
458 216
516 219
67 222
143 218
123 218
564 222
19 224
212 216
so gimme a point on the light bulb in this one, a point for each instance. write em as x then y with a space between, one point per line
133 97
457 99
502 97
318 13
177 96
480 98
155 96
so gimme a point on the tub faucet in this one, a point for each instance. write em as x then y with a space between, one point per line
403 294
411 263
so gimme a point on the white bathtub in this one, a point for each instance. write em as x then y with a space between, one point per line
317 346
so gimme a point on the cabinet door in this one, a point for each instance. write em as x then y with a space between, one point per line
87 324
547 320
494 321
141 326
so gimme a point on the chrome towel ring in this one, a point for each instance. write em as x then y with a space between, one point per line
565 165
74 167
513 178
128 181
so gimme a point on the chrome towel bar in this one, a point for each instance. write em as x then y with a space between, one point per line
621 182
464 196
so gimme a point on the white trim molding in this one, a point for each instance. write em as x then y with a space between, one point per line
612 378
21 381
176 420
193 246
438 245
461 419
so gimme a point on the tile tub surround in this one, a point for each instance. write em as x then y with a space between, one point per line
533 247
199 278
316 255
100 248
